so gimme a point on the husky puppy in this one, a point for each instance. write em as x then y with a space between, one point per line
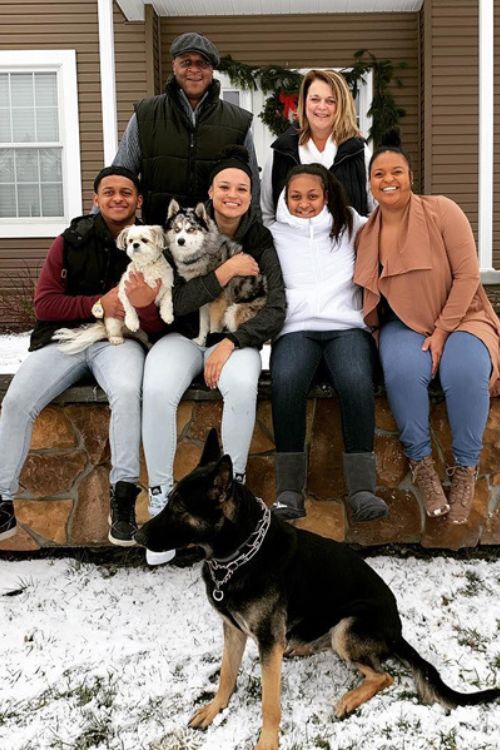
197 248
144 246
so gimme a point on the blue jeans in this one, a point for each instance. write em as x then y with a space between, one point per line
45 374
464 371
170 367
350 359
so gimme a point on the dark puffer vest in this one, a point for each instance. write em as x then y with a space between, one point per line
177 154
92 265
348 167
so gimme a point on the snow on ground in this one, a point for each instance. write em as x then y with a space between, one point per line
116 657
13 350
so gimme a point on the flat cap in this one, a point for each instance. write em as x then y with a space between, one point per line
191 41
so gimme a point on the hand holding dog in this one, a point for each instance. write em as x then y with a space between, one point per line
216 361
139 293
111 304
241 264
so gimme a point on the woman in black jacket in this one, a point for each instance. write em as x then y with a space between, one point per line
328 134
232 363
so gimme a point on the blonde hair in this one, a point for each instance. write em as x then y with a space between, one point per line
345 125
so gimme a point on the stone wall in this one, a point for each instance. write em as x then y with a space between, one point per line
64 494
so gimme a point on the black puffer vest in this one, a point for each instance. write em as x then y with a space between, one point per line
348 167
92 265
177 154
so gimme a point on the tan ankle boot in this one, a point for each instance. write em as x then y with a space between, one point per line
463 484
425 477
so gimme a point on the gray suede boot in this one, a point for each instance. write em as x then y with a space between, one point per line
291 473
361 479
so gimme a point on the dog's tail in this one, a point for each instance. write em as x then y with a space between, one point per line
431 687
74 340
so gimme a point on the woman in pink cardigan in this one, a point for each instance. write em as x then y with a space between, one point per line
417 264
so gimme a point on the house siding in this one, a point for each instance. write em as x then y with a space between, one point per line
496 136
451 119
60 24
63 24
130 66
324 40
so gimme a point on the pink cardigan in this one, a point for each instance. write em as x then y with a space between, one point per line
431 279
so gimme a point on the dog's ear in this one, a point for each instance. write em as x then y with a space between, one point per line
223 480
158 236
173 208
201 212
211 451
121 240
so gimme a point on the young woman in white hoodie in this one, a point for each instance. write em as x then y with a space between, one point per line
314 236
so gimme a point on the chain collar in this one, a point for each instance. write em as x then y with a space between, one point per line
227 566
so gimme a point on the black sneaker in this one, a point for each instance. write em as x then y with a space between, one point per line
8 525
122 525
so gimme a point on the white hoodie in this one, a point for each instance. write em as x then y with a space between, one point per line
317 271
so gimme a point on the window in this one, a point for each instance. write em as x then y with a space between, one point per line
40 187
254 102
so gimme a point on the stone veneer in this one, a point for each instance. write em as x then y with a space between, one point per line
64 494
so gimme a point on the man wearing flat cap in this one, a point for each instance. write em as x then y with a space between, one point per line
173 140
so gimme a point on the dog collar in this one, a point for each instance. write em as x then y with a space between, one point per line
227 566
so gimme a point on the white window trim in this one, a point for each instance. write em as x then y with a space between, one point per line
486 141
64 62
108 80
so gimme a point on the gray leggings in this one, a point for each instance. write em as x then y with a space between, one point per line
170 367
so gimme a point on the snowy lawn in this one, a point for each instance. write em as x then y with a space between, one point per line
13 351
116 656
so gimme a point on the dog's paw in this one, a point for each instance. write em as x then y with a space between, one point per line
347 704
205 715
200 340
298 649
168 318
115 340
132 323
268 740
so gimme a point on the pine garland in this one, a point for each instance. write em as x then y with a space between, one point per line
282 85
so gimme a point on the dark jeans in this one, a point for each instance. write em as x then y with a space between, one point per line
350 360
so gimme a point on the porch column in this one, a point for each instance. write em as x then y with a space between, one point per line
486 84
108 80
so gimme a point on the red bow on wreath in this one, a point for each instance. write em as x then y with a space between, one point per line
289 102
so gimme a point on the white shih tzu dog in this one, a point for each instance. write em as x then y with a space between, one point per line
144 246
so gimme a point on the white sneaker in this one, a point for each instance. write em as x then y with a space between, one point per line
158 498
159 558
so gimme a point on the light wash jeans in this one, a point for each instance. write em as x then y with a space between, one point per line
170 367
48 372
464 371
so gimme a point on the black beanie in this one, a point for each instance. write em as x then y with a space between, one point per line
232 157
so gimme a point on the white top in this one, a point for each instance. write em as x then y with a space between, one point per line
317 271
308 154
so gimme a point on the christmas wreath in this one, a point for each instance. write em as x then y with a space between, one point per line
282 86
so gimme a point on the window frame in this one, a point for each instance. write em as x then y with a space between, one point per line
62 62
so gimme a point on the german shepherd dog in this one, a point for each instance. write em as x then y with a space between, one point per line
294 592
197 247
